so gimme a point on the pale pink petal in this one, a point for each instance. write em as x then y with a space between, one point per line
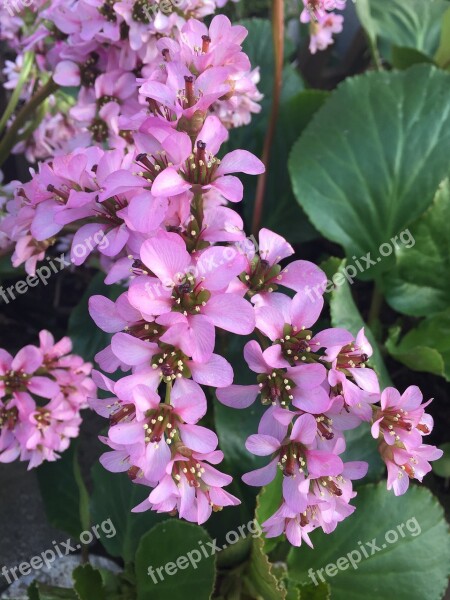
273 247
262 445
103 312
169 183
231 312
241 161
198 439
217 372
305 311
188 400
132 351
238 396
262 476
165 257
254 357
304 430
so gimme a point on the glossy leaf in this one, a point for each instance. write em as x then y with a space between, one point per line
176 548
371 160
419 285
405 538
113 498
426 347
412 24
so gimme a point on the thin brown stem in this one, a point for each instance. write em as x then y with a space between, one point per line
278 44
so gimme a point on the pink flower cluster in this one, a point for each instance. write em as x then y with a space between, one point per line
323 22
317 385
42 390
151 199
400 424
122 56
109 190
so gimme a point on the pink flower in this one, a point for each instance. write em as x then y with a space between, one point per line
294 454
42 391
288 324
402 418
199 170
193 488
193 291
303 386
322 31
263 273
404 464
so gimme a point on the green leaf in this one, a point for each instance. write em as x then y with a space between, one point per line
113 498
282 213
88 583
442 466
426 347
403 58
315 592
359 169
344 313
442 56
259 576
413 559
87 338
360 445
60 492
419 284
411 23
177 549
41 591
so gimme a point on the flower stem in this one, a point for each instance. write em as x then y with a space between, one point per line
24 114
375 308
28 61
168 391
278 44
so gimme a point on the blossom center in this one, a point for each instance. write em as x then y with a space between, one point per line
172 364
107 11
261 277
189 296
276 388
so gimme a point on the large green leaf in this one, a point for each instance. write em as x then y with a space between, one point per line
426 347
88 583
371 160
42 591
420 283
442 56
181 560
113 498
344 313
409 23
260 577
60 492
413 556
